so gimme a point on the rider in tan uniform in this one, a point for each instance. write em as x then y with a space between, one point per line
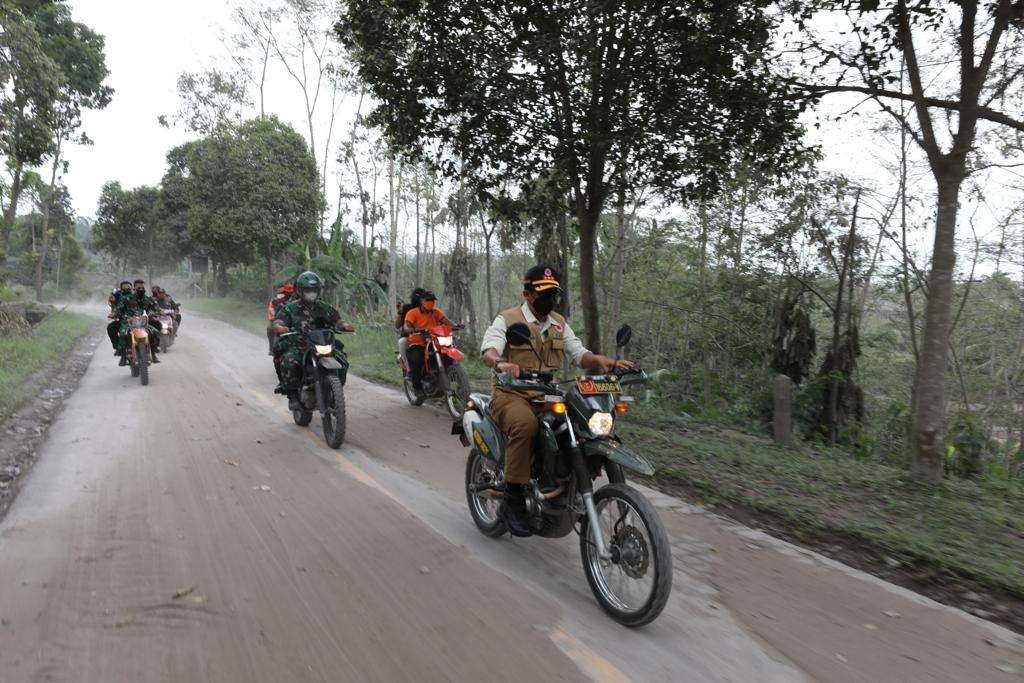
552 339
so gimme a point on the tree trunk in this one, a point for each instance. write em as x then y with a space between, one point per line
45 237
930 407
11 212
487 267
392 234
619 266
418 181
587 220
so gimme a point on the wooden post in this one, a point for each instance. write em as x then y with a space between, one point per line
782 413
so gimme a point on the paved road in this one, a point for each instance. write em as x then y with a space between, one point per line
188 531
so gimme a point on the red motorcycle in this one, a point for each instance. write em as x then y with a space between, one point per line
443 376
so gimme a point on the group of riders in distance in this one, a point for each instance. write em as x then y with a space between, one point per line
538 444
142 325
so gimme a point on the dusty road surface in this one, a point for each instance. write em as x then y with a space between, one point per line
189 531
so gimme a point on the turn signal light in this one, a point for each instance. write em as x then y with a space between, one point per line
621 407
558 408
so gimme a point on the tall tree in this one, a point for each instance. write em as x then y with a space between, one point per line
251 191
949 113
517 88
78 51
30 78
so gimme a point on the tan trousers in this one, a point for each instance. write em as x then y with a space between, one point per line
517 418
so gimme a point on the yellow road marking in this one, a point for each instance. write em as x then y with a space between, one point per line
588 660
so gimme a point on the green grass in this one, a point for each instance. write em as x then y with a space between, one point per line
371 351
23 356
973 529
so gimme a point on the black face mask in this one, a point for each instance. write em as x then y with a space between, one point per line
140 293
545 303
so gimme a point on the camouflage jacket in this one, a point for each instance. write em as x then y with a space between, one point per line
316 315
134 305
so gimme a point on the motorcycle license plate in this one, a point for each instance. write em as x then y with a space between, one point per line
589 387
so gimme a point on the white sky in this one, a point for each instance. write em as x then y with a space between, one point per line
149 43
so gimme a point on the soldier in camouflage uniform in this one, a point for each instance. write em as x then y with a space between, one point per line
137 303
300 315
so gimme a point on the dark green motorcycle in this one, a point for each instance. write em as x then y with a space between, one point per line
623 545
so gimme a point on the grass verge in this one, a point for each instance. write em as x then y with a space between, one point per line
23 356
970 529
811 494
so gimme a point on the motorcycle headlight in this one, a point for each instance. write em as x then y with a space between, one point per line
167 328
324 349
138 323
600 424
444 341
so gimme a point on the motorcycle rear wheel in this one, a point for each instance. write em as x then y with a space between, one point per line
482 507
629 524
333 420
458 392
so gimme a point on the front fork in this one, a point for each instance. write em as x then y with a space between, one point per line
586 488
442 383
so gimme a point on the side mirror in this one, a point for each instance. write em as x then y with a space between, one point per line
518 334
623 336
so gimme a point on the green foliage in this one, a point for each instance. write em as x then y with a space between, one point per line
248 192
136 228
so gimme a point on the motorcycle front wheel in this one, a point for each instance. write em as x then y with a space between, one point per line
483 505
411 396
634 585
142 350
458 391
333 419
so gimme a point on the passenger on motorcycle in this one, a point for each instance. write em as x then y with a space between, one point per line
282 296
552 339
414 302
114 326
165 301
132 304
422 317
305 313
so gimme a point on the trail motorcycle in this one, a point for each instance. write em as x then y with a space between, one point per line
137 348
623 544
443 376
324 370
168 328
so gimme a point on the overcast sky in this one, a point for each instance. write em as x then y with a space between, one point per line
149 43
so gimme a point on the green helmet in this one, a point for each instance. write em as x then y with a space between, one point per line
309 282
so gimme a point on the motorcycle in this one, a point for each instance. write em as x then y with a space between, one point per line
623 544
324 370
443 376
168 328
138 347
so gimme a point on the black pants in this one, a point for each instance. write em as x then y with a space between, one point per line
271 339
415 358
112 330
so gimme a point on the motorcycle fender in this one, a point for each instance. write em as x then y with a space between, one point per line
453 353
546 438
619 454
140 334
489 441
329 363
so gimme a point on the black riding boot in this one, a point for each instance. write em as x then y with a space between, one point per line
513 510
124 359
293 401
